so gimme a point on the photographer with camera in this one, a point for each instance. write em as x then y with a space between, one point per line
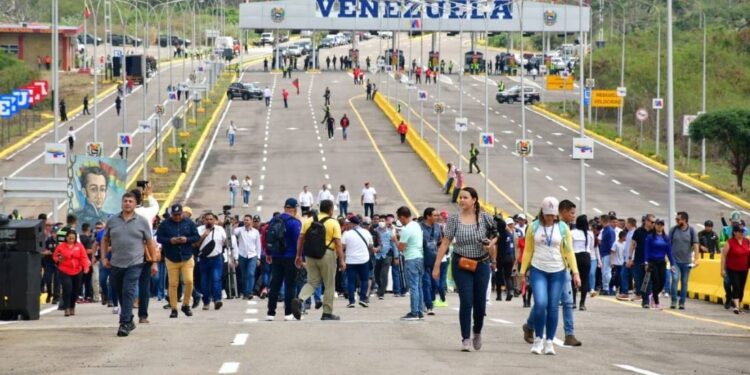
210 259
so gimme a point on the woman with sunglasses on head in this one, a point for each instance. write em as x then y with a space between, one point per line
474 254
658 246
73 262
548 255
734 264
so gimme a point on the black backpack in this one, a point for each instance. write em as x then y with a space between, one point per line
315 239
276 236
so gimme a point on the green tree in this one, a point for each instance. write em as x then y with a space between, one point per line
731 129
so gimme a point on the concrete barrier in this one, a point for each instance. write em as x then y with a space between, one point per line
437 166
705 283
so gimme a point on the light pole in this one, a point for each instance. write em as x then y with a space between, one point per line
670 116
55 88
524 191
487 9
622 75
658 84
439 83
461 62
703 96
581 122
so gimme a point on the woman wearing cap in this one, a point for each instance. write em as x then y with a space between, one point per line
734 264
657 247
73 262
548 253
473 252
583 247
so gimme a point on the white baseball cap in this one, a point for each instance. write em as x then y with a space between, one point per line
509 221
521 217
549 206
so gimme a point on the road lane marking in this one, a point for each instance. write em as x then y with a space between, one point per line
229 368
635 192
539 136
550 143
537 169
252 303
597 210
251 311
548 178
563 188
654 203
600 173
616 182
561 149
635 369
240 339
501 321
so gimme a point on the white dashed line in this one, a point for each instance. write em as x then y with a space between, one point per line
635 369
616 182
501 321
654 203
550 143
537 169
600 173
635 192
251 311
587 165
597 210
506 147
561 149
240 339
560 343
563 188
539 136
548 178
229 368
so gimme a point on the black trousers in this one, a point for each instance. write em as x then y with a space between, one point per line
282 270
658 270
504 276
382 267
737 280
330 131
584 267
70 287
473 164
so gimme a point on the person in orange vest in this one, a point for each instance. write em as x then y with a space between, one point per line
402 129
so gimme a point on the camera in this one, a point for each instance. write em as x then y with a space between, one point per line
141 184
226 209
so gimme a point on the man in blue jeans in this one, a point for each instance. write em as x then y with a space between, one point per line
212 240
432 234
685 250
409 241
126 233
249 247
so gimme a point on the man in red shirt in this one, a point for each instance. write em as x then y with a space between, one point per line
285 95
344 124
402 129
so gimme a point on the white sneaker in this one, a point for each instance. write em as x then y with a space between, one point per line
538 346
269 318
288 318
549 348
116 310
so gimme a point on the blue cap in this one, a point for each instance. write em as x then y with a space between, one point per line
290 203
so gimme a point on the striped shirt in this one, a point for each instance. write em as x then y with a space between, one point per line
469 237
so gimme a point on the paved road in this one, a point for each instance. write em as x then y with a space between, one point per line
614 181
29 162
704 339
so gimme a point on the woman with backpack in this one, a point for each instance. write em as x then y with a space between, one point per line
546 258
657 247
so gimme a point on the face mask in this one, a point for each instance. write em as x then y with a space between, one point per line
381 224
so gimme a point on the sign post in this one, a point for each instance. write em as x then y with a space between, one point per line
524 147
657 104
686 121
144 127
422 97
605 99
583 148
642 115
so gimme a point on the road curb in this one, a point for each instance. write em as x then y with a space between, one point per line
27 139
684 177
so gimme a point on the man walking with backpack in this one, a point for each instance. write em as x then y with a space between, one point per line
320 244
281 248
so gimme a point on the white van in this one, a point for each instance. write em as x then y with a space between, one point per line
266 38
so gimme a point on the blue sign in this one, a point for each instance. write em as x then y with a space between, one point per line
22 96
586 96
464 9
8 106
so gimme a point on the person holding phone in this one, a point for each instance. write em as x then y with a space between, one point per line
474 256
72 261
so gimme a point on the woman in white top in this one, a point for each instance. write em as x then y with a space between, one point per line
234 185
231 132
548 254
583 247
247 188
325 194
343 199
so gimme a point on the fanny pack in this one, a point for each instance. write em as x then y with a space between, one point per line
470 264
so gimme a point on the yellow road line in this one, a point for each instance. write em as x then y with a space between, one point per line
685 316
380 155
455 150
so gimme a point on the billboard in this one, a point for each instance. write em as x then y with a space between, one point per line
97 185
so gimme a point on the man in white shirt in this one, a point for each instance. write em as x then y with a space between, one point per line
357 244
324 194
267 96
248 245
369 199
210 260
306 200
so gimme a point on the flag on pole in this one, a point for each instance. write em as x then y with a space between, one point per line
416 24
86 12
295 83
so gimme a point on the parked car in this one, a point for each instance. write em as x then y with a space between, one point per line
294 50
306 33
116 39
305 46
133 41
246 91
385 34
176 41
512 95
328 42
89 39
266 38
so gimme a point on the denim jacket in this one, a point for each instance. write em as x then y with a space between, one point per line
168 229
387 246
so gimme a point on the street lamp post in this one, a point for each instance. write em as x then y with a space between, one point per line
487 9
55 88
524 181
622 76
670 115
658 84
461 62
581 122
703 96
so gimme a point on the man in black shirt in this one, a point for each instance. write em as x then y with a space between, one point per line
635 257
708 239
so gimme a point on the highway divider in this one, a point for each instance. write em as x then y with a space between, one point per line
437 166
645 159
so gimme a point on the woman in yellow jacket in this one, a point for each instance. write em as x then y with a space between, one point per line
546 258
